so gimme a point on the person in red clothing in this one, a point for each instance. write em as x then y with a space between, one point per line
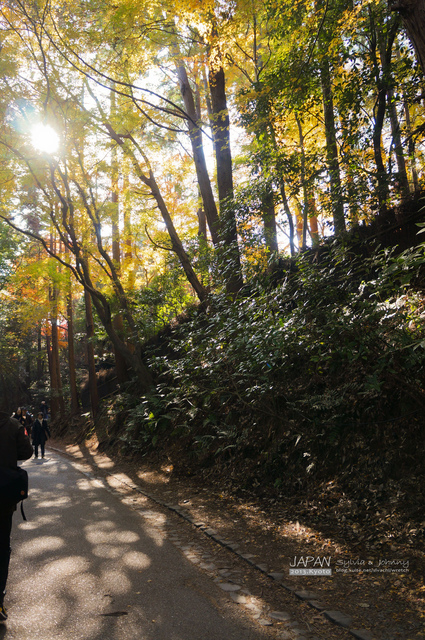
14 445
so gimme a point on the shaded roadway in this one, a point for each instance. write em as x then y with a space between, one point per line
86 566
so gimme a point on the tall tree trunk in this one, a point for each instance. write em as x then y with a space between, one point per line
175 240
40 355
129 266
289 217
269 223
300 224
381 174
271 131
94 396
133 353
221 134
120 362
202 223
54 404
398 147
28 371
331 148
314 226
57 394
55 360
75 403
176 243
384 39
303 184
411 147
195 135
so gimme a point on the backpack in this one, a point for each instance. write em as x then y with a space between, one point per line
13 488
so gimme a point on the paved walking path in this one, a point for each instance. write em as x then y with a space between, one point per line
86 566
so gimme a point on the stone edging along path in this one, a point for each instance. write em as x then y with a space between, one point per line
312 599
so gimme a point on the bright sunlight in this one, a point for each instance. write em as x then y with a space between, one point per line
44 138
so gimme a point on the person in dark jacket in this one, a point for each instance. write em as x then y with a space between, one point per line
18 414
44 409
26 420
40 433
14 445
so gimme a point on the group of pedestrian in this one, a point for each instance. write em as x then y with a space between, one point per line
38 429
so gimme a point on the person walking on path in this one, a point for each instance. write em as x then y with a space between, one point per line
40 433
18 414
44 409
26 420
14 445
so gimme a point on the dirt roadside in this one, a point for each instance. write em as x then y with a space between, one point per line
377 590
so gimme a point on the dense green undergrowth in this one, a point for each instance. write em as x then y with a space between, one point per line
315 375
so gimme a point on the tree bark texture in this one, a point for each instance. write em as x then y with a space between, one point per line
381 174
40 354
269 223
412 13
289 217
304 185
412 155
133 355
332 149
382 39
398 146
57 394
94 396
120 363
195 135
220 123
75 404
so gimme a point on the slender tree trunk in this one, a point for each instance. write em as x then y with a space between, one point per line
289 217
381 71
272 133
118 322
398 147
331 148
40 355
94 396
411 143
54 405
314 226
221 135
55 360
75 403
269 223
381 174
120 362
300 225
176 243
175 240
129 266
195 134
132 353
221 132
202 223
28 371
304 184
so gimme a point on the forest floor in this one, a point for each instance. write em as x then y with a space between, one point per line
377 580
